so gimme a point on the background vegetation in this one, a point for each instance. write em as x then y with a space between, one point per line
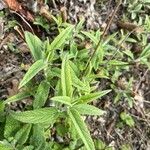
81 86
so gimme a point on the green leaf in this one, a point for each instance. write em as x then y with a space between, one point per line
61 38
4 147
33 70
30 147
2 106
127 119
11 127
66 81
85 109
23 134
61 129
129 53
100 145
35 45
77 82
137 8
100 53
118 63
90 97
146 52
38 137
41 95
2 126
17 97
79 26
90 36
62 99
146 1
81 129
41 115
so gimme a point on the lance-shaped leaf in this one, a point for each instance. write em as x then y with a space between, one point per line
85 109
118 63
81 129
35 45
90 97
66 81
41 95
11 127
77 82
23 134
42 115
91 37
61 38
17 97
146 52
62 99
33 70
38 138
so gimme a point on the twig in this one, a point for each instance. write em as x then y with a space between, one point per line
54 4
104 33
20 33
23 20
111 19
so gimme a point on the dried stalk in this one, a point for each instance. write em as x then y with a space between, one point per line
103 35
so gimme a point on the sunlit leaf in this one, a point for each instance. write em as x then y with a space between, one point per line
5 147
62 99
17 97
33 70
35 45
81 129
127 119
61 38
42 115
118 63
90 36
86 109
92 96
66 81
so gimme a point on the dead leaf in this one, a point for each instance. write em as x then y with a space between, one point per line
17 7
23 48
64 15
14 5
44 11
130 26
14 90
